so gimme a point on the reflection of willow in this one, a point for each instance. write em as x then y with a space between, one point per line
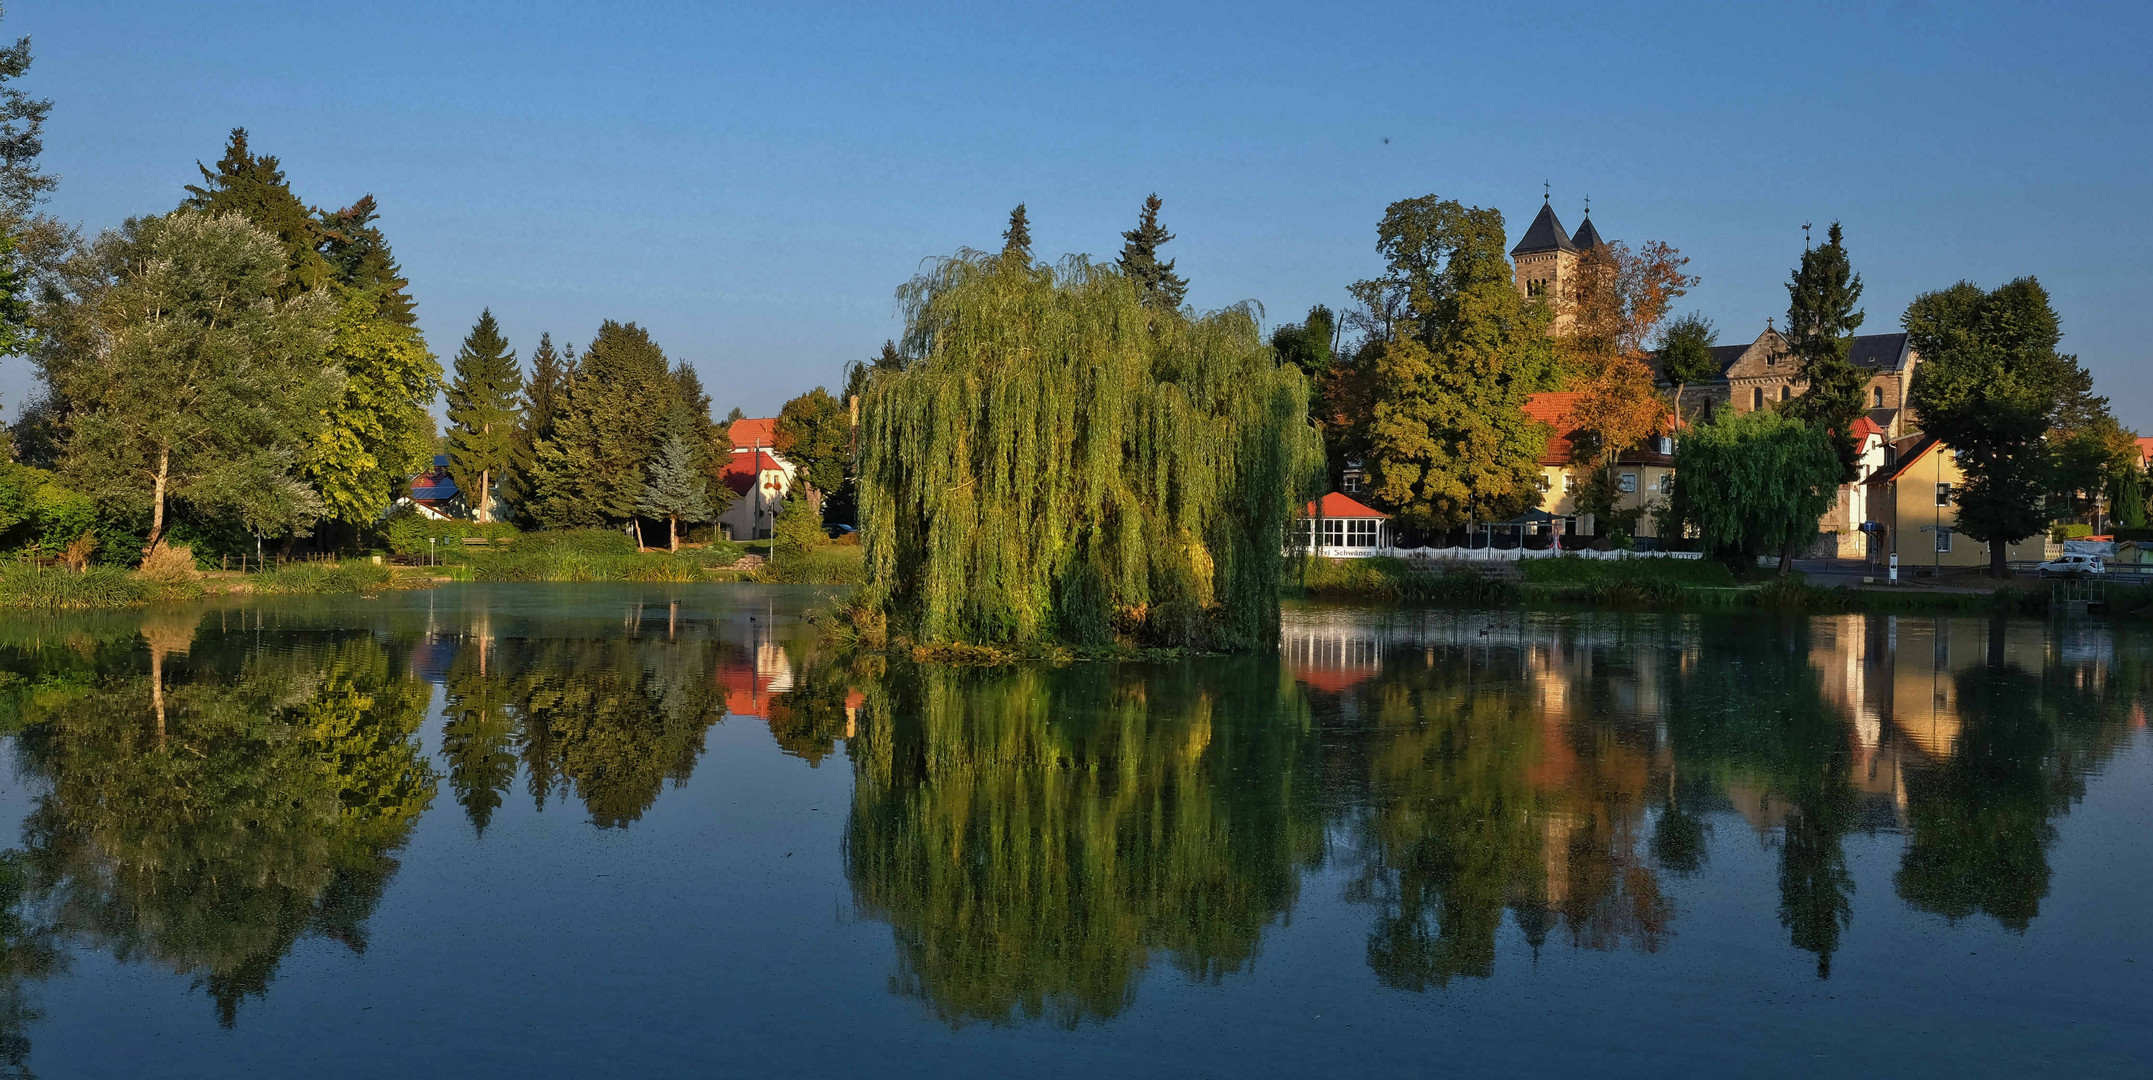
1032 835
609 720
1980 818
265 809
1748 710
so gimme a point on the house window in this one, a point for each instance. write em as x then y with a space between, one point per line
1876 397
1708 410
1667 483
1569 483
1756 398
1943 538
1334 532
1627 482
1350 481
1543 483
1943 498
1360 532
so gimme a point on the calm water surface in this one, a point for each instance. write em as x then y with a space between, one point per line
530 831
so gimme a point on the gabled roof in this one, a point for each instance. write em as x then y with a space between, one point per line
2145 448
1553 409
1878 350
1865 427
1335 505
1907 460
433 487
745 466
1586 237
750 433
1544 234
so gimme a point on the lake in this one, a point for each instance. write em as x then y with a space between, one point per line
553 830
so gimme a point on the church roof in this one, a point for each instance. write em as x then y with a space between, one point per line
1586 238
1545 234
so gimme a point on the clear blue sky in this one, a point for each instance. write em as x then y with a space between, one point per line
753 183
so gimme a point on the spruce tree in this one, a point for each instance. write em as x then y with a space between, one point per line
254 187
360 256
1821 320
1017 239
1156 282
541 400
675 487
484 407
22 136
712 445
591 468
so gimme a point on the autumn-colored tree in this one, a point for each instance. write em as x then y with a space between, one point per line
1621 297
1619 408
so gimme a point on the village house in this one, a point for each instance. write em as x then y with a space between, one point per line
1342 528
761 478
434 494
1914 503
1644 474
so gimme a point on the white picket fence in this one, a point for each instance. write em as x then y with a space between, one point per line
1485 554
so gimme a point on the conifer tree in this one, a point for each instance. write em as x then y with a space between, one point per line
254 187
710 444
591 469
22 137
1017 239
674 490
484 408
1156 282
360 256
542 394
1821 320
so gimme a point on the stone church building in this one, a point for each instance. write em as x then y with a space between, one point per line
1754 376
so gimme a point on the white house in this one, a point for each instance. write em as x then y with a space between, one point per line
1341 528
760 476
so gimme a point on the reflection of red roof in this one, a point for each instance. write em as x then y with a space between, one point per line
1335 680
749 434
1553 409
740 472
1338 506
746 693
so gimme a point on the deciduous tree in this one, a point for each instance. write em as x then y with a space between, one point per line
189 373
1686 355
1754 484
1458 352
814 432
1989 383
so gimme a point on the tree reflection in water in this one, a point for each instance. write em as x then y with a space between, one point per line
1038 838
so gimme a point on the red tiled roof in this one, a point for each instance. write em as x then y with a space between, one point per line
748 434
2145 448
741 471
1865 427
1553 409
1338 506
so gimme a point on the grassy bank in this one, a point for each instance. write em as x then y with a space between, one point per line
97 587
351 577
606 555
1662 585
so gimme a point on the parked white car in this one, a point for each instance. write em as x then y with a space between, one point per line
2072 566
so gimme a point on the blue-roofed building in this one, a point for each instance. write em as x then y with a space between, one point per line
435 494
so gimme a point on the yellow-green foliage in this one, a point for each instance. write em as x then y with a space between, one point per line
100 586
594 555
408 530
1058 461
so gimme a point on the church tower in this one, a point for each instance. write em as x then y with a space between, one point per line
1545 261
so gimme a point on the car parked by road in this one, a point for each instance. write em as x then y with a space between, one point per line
2072 566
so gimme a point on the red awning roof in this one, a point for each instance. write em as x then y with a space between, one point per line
1338 506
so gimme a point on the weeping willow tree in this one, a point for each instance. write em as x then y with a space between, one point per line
1058 462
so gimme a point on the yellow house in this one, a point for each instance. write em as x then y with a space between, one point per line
1915 500
1644 475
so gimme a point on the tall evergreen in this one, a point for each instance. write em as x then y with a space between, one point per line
590 470
675 487
360 256
1017 239
1156 282
22 136
254 187
709 444
1821 320
484 407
